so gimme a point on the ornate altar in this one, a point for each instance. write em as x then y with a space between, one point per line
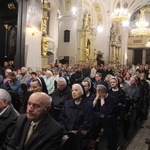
44 44
86 43
115 44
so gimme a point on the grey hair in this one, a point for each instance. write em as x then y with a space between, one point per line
4 95
49 72
24 68
8 70
62 79
101 88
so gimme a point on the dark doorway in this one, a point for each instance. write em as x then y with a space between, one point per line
137 56
148 56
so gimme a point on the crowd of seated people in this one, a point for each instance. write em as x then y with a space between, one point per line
80 102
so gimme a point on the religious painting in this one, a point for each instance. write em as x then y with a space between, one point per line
12 36
34 14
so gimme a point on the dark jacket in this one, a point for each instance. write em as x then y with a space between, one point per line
59 97
120 101
79 76
77 117
7 126
106 108
47 135
86 72
15 86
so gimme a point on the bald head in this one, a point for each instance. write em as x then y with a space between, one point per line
43 98
38 106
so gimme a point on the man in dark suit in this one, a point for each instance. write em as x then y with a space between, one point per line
37 129
8 119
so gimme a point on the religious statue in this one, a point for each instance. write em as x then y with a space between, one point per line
113 34
88 21
87 53
99 58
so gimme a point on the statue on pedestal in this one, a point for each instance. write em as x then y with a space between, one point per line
99 58
88 20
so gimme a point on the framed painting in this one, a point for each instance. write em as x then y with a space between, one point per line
34 14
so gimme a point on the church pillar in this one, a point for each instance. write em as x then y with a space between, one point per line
21 26
124 46
144 57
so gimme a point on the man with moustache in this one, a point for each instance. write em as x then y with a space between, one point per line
37 129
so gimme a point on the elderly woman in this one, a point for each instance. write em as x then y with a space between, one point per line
76 118
103 105
49 81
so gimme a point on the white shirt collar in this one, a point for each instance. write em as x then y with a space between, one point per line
115 89
4 110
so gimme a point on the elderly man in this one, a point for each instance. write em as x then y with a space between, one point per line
24 77
8 118
60 95
37 129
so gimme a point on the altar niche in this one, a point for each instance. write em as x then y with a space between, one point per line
86 43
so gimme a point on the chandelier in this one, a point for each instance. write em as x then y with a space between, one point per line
141 26
148 44
120 14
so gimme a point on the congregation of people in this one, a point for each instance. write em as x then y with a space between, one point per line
64 107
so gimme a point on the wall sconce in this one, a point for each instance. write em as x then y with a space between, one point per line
34 31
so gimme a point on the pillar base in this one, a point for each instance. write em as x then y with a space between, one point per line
44 61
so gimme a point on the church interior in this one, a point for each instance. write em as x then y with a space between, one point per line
54 39
74 32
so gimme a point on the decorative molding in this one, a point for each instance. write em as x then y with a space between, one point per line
137 42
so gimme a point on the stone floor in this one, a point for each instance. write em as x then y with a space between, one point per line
138 142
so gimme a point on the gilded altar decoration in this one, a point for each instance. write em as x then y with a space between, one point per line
87 37
46 6
115 44
45 19
11 6
88 20
44 27
44 46
87 53
95 54
44 39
